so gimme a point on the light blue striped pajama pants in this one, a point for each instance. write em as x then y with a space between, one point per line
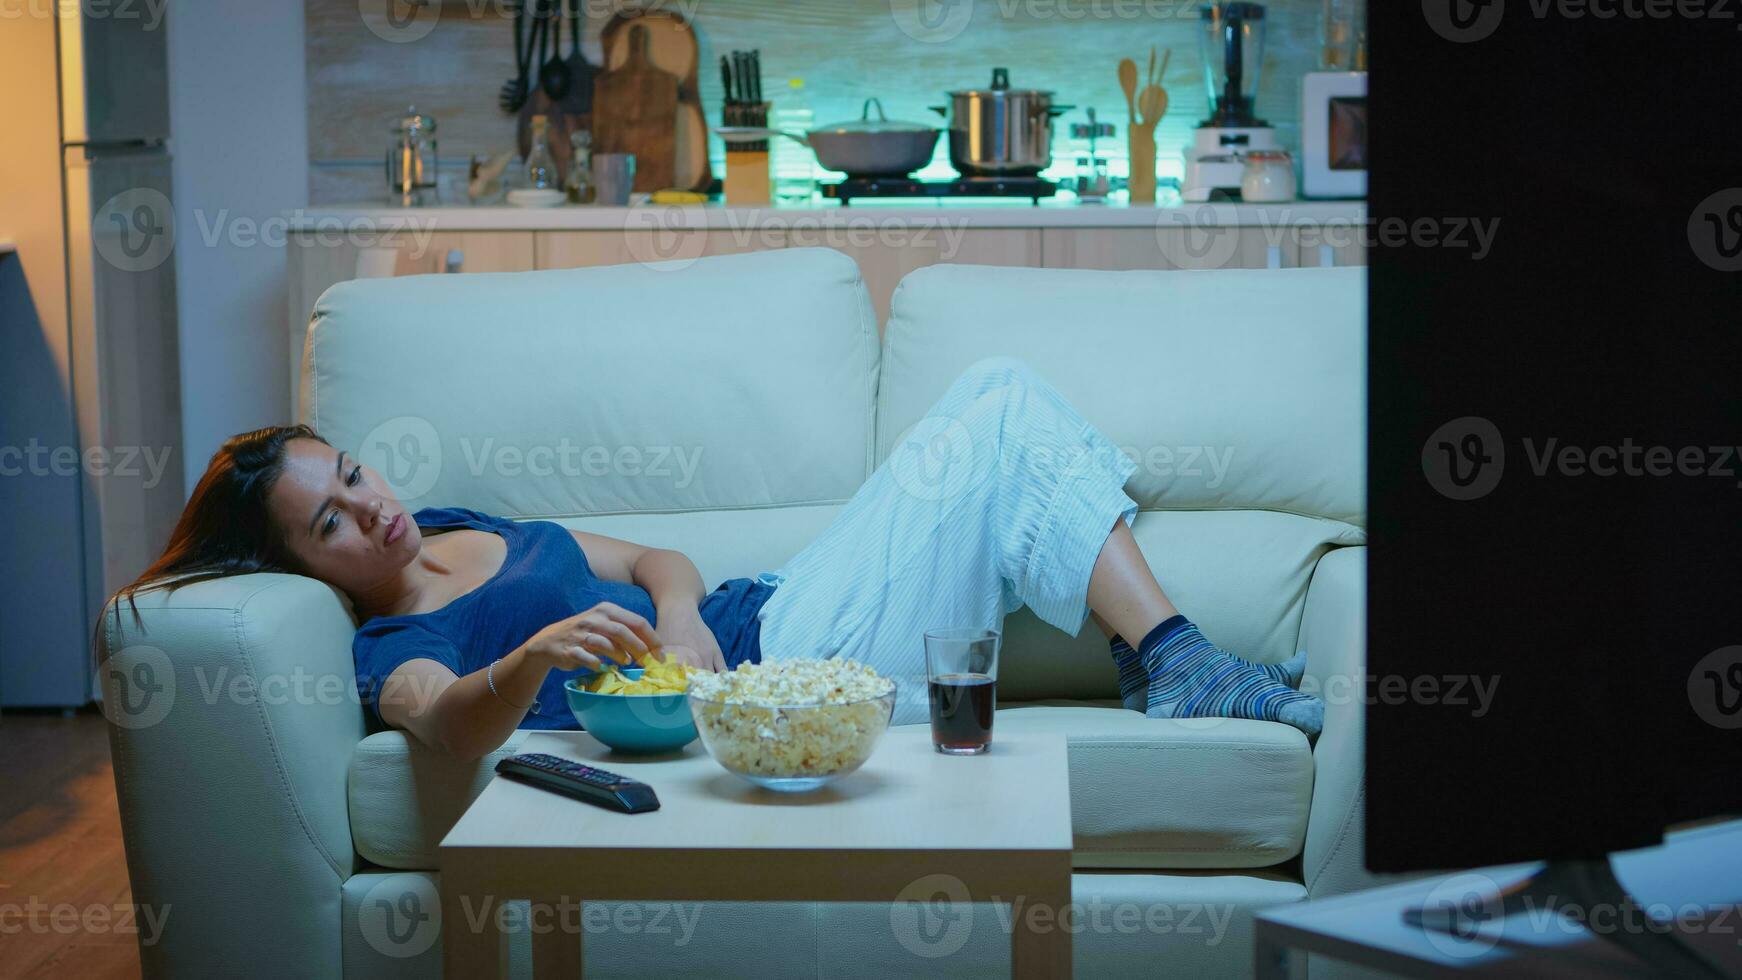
1001 496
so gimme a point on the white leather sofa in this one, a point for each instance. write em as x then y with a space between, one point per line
284 838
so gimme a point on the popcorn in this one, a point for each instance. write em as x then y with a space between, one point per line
792 718
793 682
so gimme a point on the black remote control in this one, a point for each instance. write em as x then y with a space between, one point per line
595 786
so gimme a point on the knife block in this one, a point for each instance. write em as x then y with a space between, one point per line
747 177
1141 183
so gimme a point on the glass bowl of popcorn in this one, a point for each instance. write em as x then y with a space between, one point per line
795 725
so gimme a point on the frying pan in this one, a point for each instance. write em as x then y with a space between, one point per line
863 147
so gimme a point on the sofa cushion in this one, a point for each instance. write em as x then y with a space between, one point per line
1145 793
1265 367
405 797
1241 575
735 381
1192 793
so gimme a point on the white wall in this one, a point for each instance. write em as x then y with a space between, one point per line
239 118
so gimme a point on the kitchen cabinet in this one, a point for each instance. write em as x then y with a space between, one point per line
1165 246
1329 245
579 249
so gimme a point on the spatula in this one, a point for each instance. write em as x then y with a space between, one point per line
513 94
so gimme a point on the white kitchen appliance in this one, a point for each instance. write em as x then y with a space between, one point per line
1333 134
90 403
1231 44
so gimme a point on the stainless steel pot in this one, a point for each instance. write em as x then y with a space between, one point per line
864 147
1000 131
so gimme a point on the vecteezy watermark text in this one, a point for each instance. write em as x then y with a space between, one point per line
1211 235
933 916
1471 691
149 11
35 458
35 916
1465 458
1468 21
404 21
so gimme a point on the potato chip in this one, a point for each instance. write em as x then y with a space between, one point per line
658 677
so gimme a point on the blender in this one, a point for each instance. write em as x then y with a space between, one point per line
1231 43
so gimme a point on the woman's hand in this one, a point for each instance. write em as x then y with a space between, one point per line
692 657
683 631
606 633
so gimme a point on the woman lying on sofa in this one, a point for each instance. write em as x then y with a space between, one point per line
1002 496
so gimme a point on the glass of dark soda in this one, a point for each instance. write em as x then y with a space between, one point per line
961 665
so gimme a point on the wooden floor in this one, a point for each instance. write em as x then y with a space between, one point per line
64 898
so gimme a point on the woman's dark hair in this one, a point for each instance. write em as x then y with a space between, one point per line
225 529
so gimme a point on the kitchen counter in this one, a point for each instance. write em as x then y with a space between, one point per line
966 213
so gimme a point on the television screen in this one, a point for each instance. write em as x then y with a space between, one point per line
1555 583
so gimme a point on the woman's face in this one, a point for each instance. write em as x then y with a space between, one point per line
339 518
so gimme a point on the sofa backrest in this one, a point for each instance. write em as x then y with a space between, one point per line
1240 393
722 406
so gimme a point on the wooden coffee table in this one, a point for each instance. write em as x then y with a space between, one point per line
999 823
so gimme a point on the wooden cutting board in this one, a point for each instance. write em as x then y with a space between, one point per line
635 111
673 46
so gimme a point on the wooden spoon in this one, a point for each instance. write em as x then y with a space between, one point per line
1128 82
1152 105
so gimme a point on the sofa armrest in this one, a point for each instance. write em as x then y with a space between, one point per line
233 712
1334 635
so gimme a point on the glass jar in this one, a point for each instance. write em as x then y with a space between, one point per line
1092 184
793 165
540 168
412 165
1337 28
1268 178
580 180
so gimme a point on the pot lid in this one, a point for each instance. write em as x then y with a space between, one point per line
1000 88
882 124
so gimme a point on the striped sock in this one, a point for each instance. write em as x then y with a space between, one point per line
1134 679
1190 678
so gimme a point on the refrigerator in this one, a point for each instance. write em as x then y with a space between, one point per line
91 392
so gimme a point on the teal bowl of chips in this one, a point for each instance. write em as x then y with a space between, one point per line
640 723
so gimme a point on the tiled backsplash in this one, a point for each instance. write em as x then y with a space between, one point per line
451 61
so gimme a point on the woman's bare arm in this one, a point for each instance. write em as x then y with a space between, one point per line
672 581
460 716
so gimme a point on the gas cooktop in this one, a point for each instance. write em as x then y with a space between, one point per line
1033 188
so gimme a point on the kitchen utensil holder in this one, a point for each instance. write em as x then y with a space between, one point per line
1141 183
748 178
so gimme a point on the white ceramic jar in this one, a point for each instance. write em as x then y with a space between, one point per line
1268 178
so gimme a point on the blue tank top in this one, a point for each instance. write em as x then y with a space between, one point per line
544 578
